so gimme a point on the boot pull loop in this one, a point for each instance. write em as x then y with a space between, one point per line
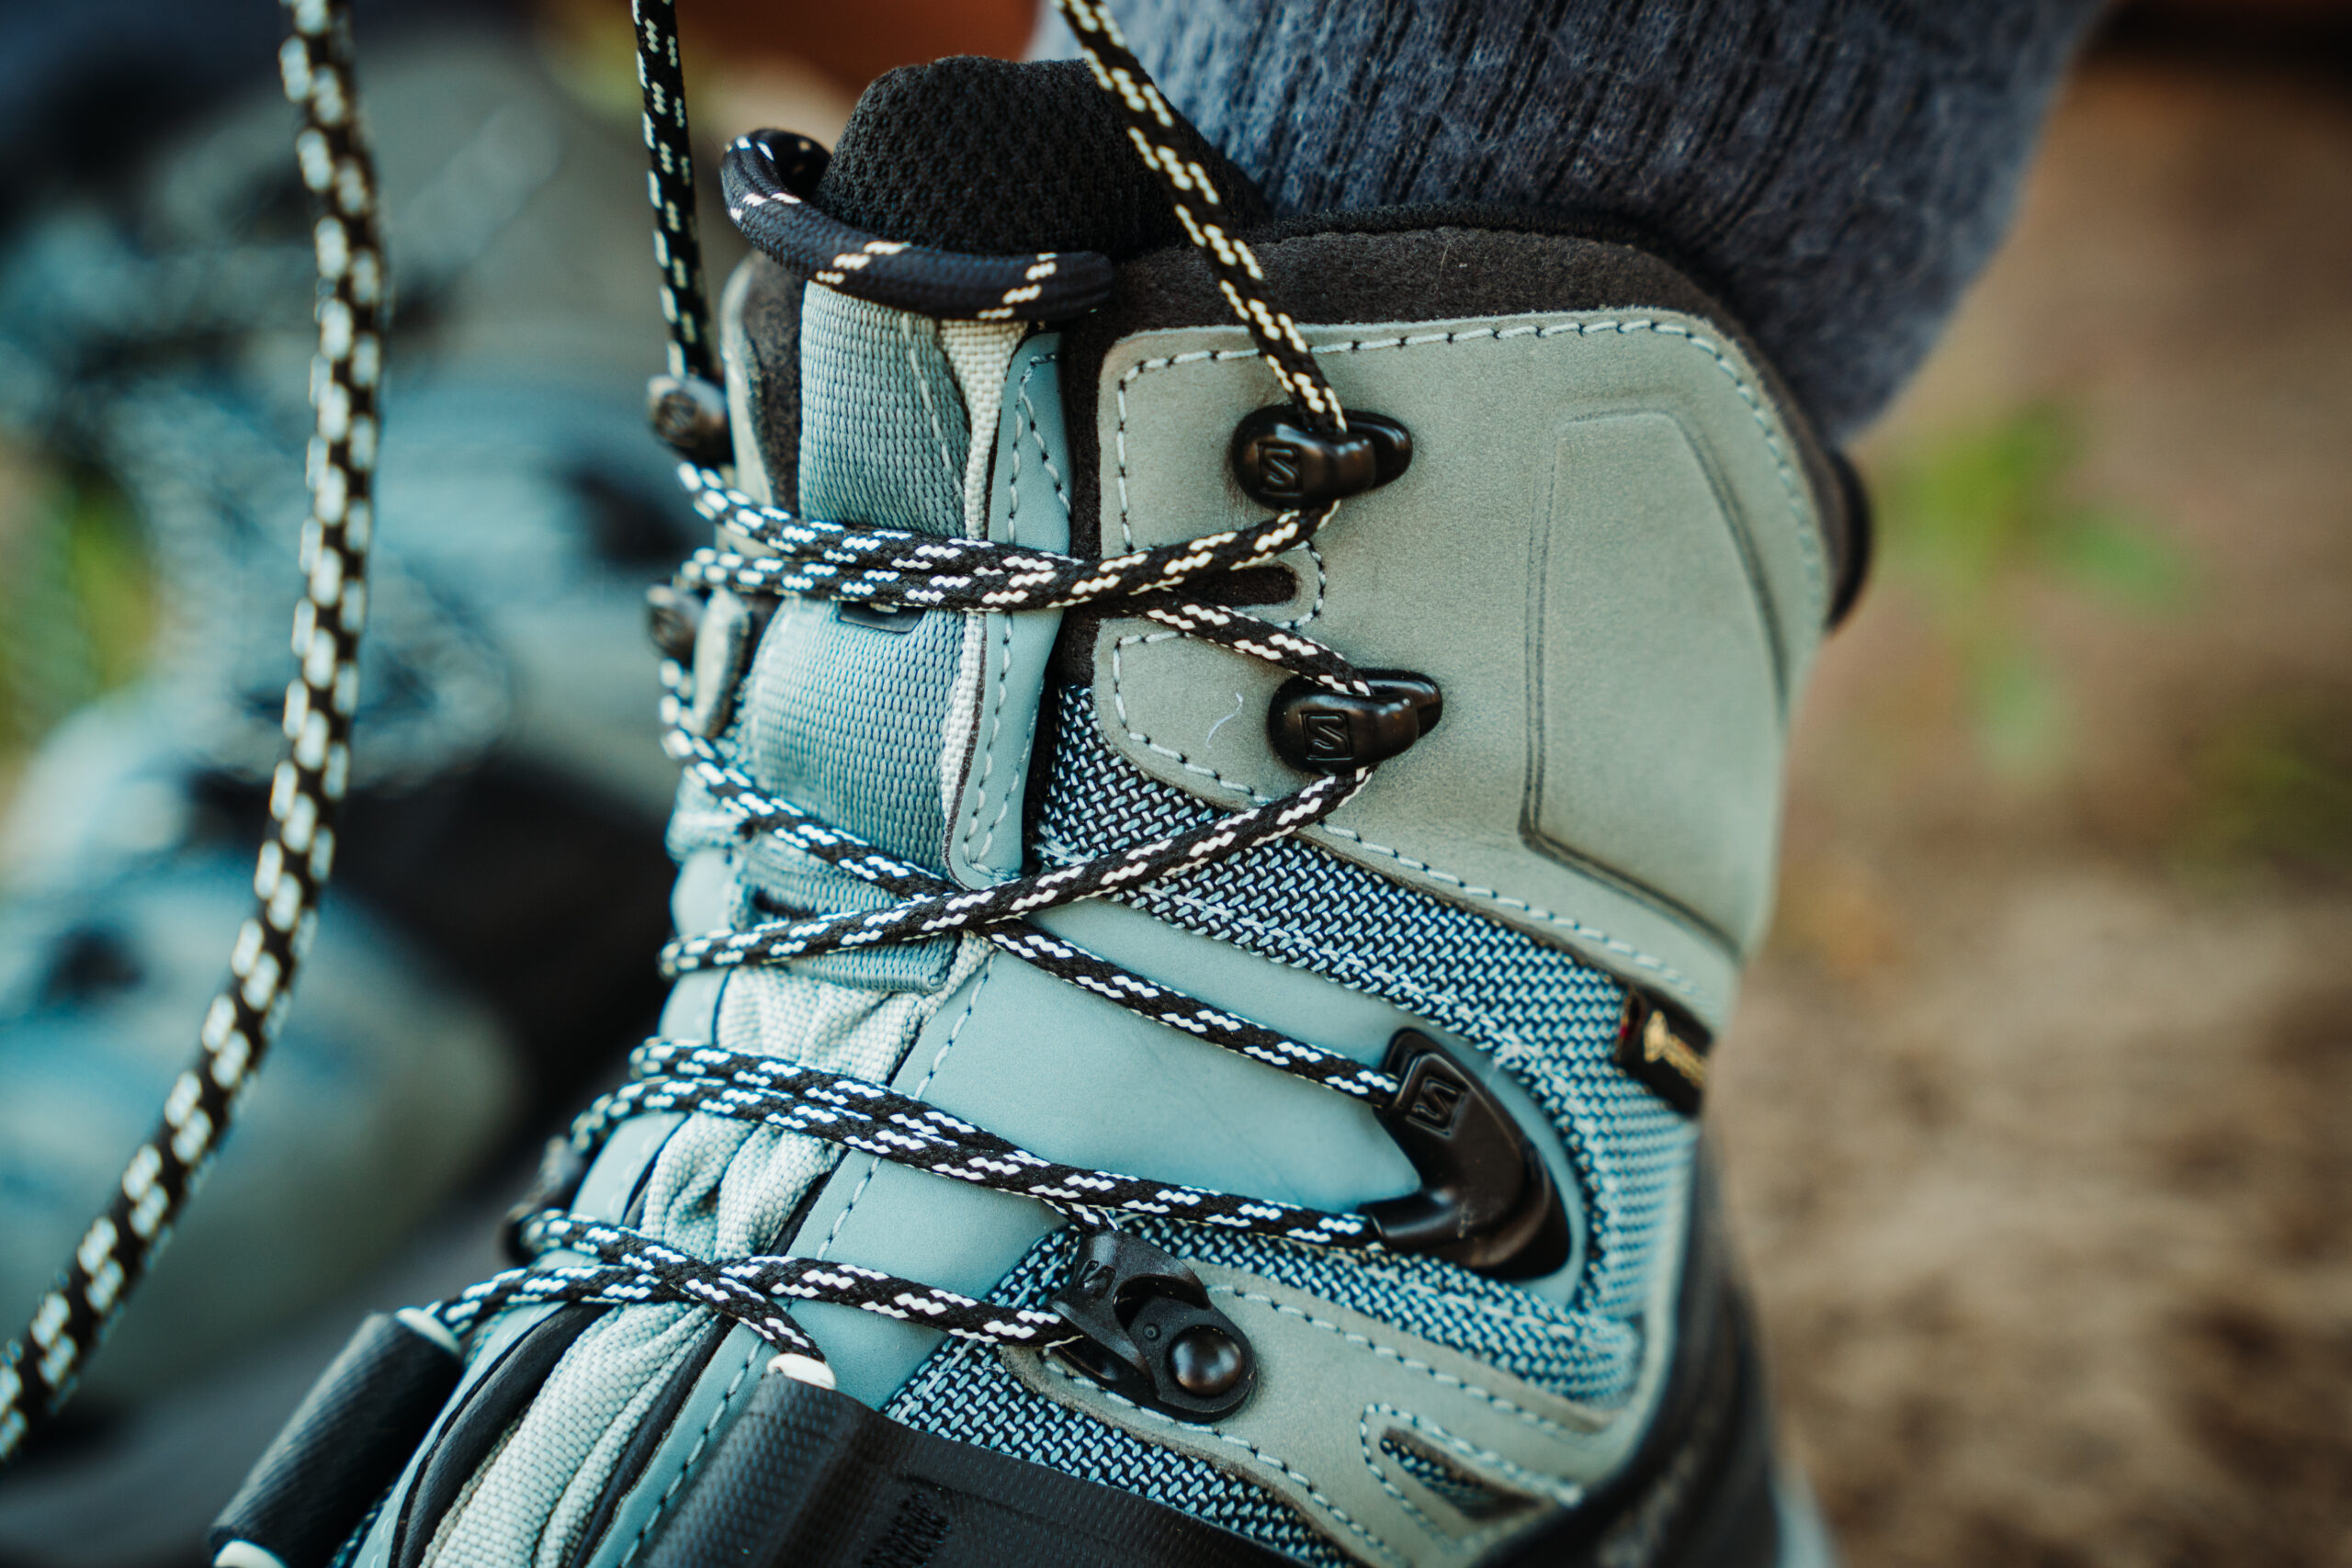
1486 1199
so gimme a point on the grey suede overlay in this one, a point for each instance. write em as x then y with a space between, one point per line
1605 553
1345 1402
1359 266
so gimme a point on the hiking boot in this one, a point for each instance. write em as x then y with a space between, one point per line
1189 1053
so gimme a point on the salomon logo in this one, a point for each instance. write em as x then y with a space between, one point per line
1328 739
1278 468
1437 1104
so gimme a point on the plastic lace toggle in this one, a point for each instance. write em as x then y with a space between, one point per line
1282 461
1486 1199
1149 1332
1319 730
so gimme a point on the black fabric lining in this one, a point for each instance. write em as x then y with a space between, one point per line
998 158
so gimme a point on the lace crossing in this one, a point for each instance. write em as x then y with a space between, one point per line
894 567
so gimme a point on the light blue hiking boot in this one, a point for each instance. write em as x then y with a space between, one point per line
485 957
1202 924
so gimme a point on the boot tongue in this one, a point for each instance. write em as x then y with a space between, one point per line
999 158
857 715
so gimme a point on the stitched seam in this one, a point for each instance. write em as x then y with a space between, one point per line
1557 1489
1371 1461
1666 972
874 1162
939 1058
1044 457
1304 1482
1479 1536
1119 703
1808 547
988 751
686 1465
1501 1403
959 1353
917 373
1476 1537
1004 622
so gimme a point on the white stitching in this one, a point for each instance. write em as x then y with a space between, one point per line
1462 1449
875 1162
1666 972
1475 1390
1004 622
1304 1482
686 1465
1808 547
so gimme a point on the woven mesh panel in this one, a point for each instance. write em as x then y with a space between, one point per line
847 719
964 1392
848 722
1551 1019
1042 142
883 432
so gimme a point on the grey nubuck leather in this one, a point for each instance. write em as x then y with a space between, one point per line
1340 1396
1606 554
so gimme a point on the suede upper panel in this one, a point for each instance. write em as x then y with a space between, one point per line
1356 269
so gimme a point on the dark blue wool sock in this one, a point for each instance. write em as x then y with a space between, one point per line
1838 170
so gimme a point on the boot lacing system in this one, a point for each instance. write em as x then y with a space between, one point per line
901 569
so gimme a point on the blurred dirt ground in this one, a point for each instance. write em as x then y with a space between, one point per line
2038 1115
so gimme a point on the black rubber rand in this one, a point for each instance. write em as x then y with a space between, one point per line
808 1478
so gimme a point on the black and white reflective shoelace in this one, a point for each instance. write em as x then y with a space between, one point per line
307 790
813 559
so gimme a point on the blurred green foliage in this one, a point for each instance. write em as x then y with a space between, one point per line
77 603
2273 787
1971 522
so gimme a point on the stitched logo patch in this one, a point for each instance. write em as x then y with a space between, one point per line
1664 1049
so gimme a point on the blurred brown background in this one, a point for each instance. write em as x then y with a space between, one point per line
2038 1113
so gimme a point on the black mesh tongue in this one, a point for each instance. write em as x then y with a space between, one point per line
999 158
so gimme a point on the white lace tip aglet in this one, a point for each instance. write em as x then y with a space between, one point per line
805 1369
